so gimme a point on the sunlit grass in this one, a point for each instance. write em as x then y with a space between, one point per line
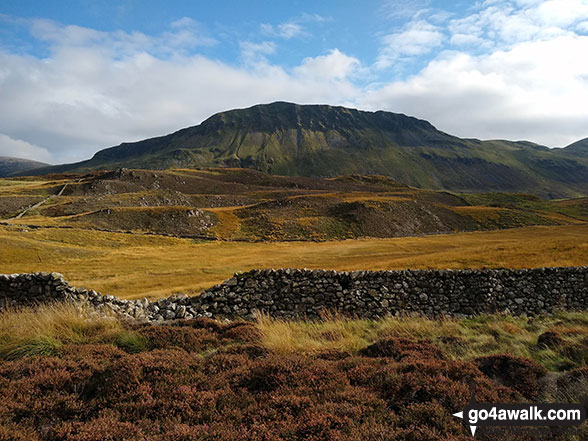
44 329
134 266
462 339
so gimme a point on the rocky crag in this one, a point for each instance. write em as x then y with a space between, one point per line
294 293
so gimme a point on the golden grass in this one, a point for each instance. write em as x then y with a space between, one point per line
357 196
15 188
559 218
65 321
134 266
228 225
343 334
42 330
463 339
7 185
34 218
335 333
366 197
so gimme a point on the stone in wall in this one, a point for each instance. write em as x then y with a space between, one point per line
295 293
292 293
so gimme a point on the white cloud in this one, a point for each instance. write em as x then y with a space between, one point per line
96 90
459 39
17 148
395 9
312 18
334 65
535 90
185 34
507 22
184 22
417 38
562 13
508 70
255 53
582 26
284 30
292 28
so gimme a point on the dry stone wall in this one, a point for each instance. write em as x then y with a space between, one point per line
18 290
293 293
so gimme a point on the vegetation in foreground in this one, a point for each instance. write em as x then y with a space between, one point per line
338 379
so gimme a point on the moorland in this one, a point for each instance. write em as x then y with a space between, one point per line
359 190
67 374
136 233
71 374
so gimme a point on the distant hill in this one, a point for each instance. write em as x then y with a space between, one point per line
579 148
326 141
10 166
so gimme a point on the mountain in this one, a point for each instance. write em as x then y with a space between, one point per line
326 141
579 148
10 166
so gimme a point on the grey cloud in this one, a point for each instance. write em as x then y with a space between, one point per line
20 149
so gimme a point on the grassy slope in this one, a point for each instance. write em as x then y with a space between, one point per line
133 266
463 339
45 330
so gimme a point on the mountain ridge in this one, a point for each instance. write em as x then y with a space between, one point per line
326 141
578 148
10 166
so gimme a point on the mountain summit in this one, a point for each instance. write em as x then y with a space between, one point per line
324 141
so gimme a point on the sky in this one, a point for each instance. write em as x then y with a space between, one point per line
80 76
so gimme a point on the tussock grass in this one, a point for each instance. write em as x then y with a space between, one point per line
334 333
573 392
43 330
28 347
463 339
131 342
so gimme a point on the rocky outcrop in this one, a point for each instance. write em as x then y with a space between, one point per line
293 293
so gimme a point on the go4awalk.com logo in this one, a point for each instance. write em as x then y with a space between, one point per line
562 415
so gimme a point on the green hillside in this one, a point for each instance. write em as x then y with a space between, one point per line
326 141
579 148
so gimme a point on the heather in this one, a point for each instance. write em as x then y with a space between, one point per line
394 379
